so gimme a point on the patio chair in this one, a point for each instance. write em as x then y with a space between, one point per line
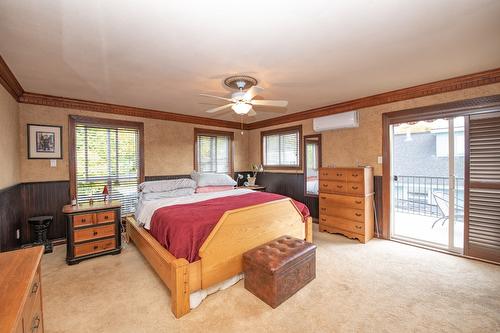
442 201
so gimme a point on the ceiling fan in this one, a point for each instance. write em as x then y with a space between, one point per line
242 101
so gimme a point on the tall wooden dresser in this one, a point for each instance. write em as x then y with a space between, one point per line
92 230
21 291
346 202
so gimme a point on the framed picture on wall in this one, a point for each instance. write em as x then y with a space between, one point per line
44 142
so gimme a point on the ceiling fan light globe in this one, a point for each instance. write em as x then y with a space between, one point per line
241 108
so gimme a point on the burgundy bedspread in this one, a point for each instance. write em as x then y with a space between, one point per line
182 229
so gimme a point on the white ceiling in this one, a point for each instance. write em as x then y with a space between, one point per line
162 54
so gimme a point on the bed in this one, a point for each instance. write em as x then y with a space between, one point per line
219 257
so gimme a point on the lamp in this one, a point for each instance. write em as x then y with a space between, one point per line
241 107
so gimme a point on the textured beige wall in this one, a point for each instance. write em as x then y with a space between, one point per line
9 140
347 147
168 145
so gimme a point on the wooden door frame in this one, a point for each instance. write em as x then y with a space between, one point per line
466 107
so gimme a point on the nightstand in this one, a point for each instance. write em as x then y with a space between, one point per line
92 230
254 187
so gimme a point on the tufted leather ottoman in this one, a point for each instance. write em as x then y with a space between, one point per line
276 270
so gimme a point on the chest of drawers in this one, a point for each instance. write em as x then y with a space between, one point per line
21 291
345 202
92 230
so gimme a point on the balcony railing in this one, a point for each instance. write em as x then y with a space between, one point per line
416 194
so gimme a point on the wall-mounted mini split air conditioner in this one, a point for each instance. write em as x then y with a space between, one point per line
336 121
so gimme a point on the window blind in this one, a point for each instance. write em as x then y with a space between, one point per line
213 153
107 156
282 149
484 189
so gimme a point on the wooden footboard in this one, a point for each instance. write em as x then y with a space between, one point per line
221 254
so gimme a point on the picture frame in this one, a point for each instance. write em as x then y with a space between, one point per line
44 142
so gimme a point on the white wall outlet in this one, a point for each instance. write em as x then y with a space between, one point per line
53 163
379 159
18 234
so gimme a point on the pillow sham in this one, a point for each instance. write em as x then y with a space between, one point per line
180 192
167 185
212 179
208 189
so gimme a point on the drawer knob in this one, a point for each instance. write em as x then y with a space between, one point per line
340 186
323 197
325 185
84 220
95 233
358 214
358 202
96 247
36 324
324 220
358 227
34 289
354 174
323 208
355 187
105 217
339 174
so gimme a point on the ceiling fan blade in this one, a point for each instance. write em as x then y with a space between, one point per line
252 113
263 102
252 92
220 108
213 96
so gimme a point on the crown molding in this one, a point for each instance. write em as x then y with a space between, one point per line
433 88
78 104
9 81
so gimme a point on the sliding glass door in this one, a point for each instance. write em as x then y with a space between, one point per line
427 187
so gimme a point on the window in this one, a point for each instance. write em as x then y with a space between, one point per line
213 151
281 148
106 153
312 151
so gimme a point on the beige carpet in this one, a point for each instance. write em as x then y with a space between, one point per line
382 286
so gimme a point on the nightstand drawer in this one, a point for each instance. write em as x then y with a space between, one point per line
93 233
105 217
83 220
94 247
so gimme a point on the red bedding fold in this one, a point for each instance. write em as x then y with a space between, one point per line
182 229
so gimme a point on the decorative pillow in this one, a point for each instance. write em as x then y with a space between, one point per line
208 189
167 185
180 192
212 179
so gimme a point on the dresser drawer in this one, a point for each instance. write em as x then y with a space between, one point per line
339 223
34 292
80 235
350 214
333 174
355 188
32 315
337 200
94 247
332 186
83 220
356 175
105 217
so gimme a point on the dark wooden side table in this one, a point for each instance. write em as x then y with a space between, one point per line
92 230
254 187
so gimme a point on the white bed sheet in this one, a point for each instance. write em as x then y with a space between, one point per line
146 209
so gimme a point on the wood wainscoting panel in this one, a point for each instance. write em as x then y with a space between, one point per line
11 208
45 198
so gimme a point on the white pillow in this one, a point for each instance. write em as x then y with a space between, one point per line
166 185
180 192
212 179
